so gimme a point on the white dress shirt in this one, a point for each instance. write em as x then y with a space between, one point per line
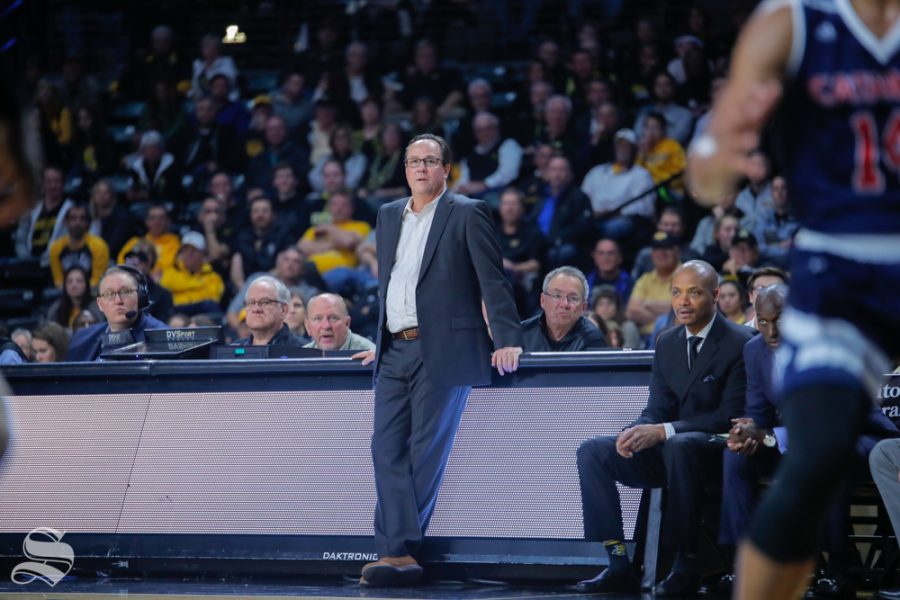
400 301
702 334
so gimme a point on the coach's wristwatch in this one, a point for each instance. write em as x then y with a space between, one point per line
769 440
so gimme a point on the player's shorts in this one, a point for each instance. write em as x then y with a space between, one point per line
843 318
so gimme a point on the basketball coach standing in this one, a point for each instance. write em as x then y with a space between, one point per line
437 260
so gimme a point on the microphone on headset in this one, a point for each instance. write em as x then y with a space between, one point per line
133 313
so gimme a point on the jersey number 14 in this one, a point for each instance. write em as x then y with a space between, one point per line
867 176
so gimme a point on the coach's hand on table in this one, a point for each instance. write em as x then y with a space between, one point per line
367 356
640 437
506 360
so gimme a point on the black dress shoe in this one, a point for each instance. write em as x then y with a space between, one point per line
610 582
887 595
720 588
677 585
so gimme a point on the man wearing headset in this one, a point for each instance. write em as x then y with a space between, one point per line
123 298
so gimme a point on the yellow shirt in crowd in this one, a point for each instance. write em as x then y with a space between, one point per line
188 288
167 246
332 259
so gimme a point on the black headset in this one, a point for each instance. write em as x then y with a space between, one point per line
142 289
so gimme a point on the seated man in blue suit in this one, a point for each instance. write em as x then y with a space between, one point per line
757 441
123 298
697 387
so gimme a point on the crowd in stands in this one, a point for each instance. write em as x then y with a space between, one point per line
579 147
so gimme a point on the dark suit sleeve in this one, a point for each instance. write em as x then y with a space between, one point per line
496 290
759 408
662 405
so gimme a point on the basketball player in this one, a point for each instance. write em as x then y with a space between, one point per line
830 72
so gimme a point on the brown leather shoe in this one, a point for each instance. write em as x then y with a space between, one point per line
391 571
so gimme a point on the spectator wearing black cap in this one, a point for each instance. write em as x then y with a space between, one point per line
651 297
255 136
671 220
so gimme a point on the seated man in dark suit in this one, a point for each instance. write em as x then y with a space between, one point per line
697 387
757 441
561 325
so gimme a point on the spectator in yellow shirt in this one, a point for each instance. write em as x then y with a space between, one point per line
333 245
166 243
78 248
196 288
661 155
652 296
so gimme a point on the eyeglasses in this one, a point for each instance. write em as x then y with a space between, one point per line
263 303
332 319
428 161
123 294
560 298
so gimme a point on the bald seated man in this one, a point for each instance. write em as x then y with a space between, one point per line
697 387
328 323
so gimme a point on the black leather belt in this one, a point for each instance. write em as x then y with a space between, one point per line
406 334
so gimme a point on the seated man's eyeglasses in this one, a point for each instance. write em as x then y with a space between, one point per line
123 293
563 298
332 319
264 303
429 161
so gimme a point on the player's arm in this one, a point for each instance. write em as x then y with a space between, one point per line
718 159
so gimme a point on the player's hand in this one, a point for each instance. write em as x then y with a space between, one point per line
506 360
718 159
367 356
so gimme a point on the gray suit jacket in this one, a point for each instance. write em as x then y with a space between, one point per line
461 265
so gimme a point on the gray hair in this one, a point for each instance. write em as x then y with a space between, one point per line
152 138
564 100
568 272
20 331
490 118
479 82
281 292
